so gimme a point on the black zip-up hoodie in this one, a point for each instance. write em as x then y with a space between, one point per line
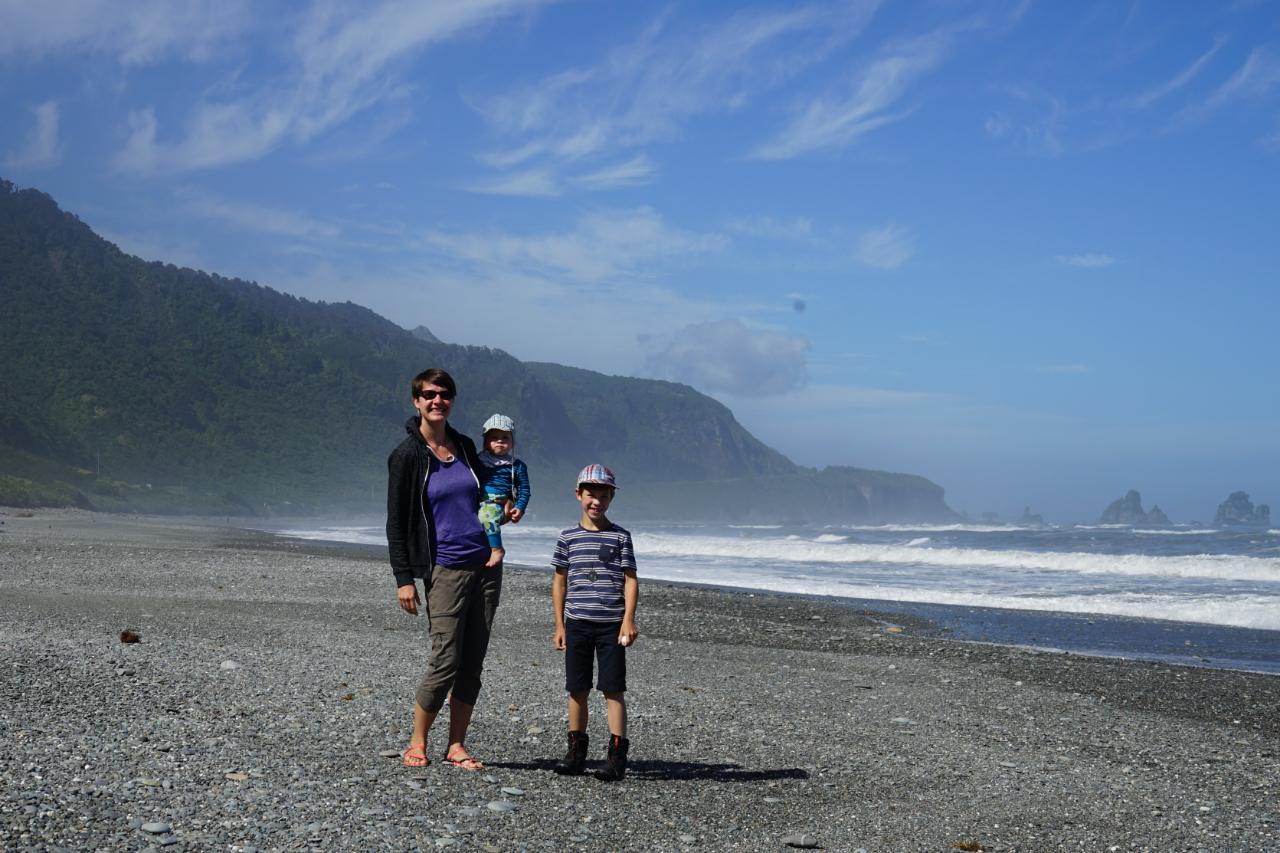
408 524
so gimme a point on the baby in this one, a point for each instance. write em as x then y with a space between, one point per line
505 480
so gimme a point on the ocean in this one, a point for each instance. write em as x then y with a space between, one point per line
1214 594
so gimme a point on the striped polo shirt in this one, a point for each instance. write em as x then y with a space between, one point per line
594 562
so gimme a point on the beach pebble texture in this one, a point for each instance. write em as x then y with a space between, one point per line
268 698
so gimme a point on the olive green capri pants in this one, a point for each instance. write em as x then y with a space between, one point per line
461 603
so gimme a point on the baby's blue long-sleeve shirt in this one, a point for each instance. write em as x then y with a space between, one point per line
506 475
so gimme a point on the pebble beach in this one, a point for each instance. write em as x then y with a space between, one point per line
267 698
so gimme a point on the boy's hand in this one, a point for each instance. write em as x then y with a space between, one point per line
557 639
408 597
516 514
628 634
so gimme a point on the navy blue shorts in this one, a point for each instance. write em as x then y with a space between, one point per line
586 642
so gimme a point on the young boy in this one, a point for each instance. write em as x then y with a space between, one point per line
593 597
505 480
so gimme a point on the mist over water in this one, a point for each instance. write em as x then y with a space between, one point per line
1218 577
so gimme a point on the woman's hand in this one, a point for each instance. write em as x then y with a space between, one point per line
408 597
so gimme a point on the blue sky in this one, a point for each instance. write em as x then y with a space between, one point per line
1026 249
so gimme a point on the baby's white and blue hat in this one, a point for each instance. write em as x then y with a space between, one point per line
501 422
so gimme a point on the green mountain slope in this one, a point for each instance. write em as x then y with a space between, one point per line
142 386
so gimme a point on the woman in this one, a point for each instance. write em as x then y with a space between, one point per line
433 534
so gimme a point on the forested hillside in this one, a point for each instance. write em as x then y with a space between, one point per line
142 386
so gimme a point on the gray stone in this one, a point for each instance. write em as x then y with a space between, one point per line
156 827
228 665
502 806
800 839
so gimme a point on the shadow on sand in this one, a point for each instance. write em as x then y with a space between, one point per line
669 770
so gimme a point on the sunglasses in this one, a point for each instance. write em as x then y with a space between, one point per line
431 395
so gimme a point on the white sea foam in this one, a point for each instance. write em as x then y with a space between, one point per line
1166 531
795 551
1201 588
1244 611
338 533
940 528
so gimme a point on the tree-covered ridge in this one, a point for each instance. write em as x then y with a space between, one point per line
134 384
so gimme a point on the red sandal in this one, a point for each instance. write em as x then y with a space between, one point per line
415 756
458 757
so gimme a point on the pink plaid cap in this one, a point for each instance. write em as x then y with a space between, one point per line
596 475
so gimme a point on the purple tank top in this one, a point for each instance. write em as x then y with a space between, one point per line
451 497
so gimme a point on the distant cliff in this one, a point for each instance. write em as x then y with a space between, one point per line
130 385
1128 510
1238 510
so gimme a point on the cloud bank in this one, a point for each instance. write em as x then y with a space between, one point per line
725 356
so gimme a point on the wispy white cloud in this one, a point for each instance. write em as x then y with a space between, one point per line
341 63
1087 261
41 149
139 32
1272 140
602 247
997 125
262 219
799 230
727 356
1161 91
1258 77
870 100
1032 122
646 91
634 172
536 183
886 248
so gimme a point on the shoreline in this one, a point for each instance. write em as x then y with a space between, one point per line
1100 635
270 693
1195 644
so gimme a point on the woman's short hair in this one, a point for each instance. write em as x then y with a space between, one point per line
432 376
